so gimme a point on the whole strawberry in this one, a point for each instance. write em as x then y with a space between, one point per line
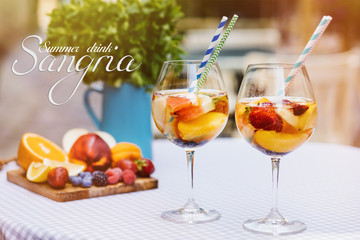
265 118
145 167
58 177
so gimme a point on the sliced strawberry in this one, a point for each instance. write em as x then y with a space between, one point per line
265 118
299 109
177 103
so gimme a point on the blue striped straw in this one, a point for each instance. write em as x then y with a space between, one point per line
305 53
210 49
216 52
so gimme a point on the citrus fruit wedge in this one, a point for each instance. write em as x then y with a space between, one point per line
38 172
74 167
35 148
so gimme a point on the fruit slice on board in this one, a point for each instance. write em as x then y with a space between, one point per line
74 167
202 128
38 172
280 142
73 134
34 148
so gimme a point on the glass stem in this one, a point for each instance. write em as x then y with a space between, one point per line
190 204
275 163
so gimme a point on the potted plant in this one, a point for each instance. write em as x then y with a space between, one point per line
146 31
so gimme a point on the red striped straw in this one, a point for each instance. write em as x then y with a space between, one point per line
305 53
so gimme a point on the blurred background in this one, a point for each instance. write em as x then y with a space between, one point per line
266 31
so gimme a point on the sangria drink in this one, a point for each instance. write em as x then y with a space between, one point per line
190 120
276 128
276 117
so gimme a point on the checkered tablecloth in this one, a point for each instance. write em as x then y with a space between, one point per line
319 185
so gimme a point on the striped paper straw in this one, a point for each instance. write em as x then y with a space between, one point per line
216 52
210 49
305 53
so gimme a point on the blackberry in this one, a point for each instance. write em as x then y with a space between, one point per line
100 178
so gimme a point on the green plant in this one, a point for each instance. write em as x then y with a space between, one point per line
144 29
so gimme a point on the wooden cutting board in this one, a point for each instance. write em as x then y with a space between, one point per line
70 193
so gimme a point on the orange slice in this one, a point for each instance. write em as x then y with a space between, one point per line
34 148
38 172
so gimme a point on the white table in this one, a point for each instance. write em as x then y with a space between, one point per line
319 185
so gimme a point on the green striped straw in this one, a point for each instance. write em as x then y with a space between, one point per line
305 53
216 52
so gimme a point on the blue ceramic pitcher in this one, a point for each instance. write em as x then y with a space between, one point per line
126 114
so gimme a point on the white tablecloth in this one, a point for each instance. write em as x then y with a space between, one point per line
319 185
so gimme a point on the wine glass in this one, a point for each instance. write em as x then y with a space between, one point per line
275 124
189 119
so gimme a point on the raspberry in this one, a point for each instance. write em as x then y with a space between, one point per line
129 177
113 176
100 178
121 173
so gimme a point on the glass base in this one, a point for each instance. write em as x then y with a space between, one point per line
274 224
191 216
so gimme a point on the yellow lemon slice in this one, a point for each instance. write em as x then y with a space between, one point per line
73 168
34 148
38 172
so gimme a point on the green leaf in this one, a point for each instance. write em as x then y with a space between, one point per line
145 29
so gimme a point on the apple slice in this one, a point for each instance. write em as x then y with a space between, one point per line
107 137
302 122
71 136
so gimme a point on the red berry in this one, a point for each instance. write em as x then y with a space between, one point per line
127 164
113 176
299 109
145 166
120 172
58 177
265 118
129 176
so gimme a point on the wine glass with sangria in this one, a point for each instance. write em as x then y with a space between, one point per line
275 124
189 119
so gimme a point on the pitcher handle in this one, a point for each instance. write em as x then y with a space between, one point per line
88 107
